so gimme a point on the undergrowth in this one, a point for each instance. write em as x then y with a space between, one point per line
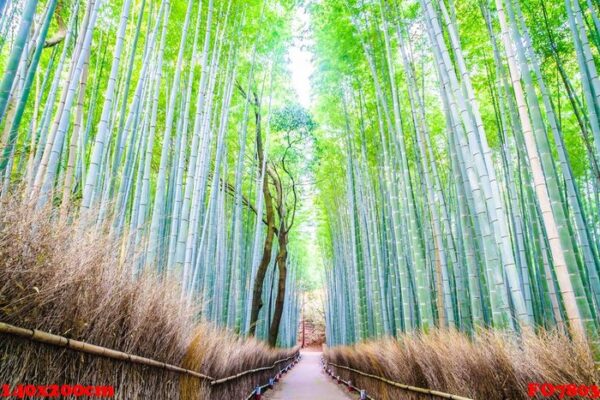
491 366
58 278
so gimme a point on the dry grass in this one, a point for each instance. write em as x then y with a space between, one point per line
493 366
60 280
221 354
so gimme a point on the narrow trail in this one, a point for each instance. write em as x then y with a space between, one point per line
308 382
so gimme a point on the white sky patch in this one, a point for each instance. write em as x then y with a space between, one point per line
300 58
301 67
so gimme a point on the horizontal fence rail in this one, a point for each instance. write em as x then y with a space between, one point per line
256 394
351 387
415 389
83 347
251 371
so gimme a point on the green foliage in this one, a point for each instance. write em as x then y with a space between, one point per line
293 118
410 171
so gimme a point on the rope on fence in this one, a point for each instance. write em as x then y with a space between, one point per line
430 392
60 341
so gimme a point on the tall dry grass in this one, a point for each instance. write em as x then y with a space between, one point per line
56 278
491 366
221 354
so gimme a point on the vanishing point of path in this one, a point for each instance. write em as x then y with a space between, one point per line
307 381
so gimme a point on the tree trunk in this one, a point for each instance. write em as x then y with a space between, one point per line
268 246
281 261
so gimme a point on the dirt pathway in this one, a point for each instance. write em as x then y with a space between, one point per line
307 381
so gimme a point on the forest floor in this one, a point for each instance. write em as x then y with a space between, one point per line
307 381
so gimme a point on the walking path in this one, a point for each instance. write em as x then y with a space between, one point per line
307 381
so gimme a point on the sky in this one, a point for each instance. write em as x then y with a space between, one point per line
301 68
300 58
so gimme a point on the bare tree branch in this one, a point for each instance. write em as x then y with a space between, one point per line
61 34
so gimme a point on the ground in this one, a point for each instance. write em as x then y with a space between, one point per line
307 381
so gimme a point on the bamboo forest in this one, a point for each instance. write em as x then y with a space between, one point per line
243 199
